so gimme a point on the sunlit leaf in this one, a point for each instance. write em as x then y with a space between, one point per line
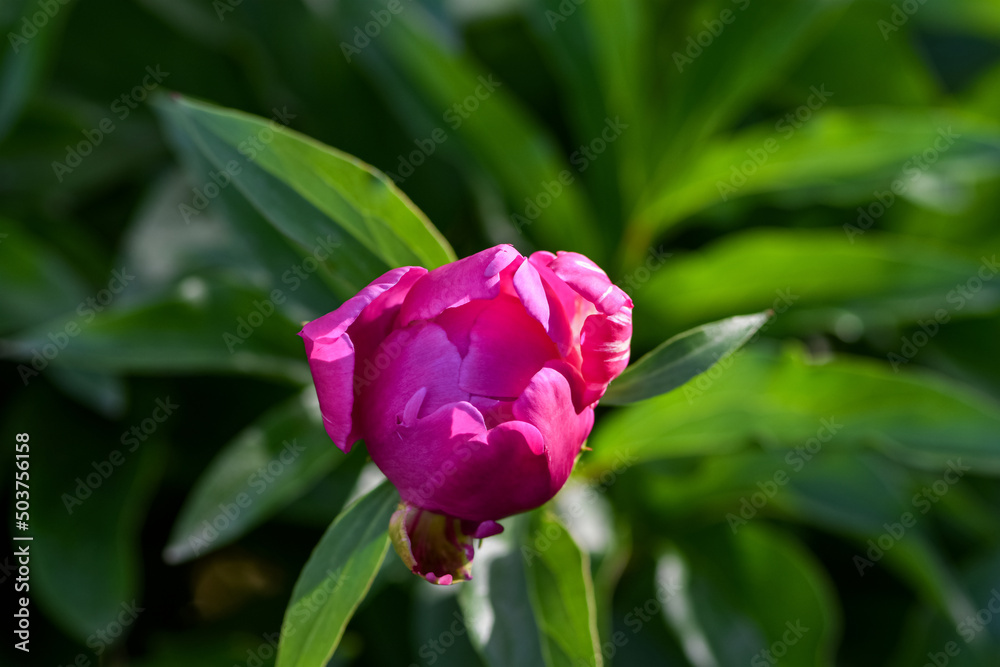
336 579
918 417
681 358
285 174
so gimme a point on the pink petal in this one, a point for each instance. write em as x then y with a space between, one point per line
448 463
605 345
425 361
567 309
419 458
507 347
332 353
494 412
589 280
482 530
519 433
457 322
377 320
452 285
548 404
573 375
531 292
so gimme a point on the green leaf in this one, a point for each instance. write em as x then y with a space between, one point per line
733 597
101 392
683 357
435 617
336 579
574 57
718 85
161 248
195 327
501 135
23 66
276 226
808 485
266 467
978 644
880 279
920 418
88 504
847 72
38 283
621 37
881 496
561 593
534 565
961 16
278 165
496 605
837 156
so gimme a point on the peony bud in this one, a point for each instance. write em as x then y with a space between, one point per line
474 387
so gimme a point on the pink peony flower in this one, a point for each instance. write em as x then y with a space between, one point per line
474 387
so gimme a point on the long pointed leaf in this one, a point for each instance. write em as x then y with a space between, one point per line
683 357
357 200
336 579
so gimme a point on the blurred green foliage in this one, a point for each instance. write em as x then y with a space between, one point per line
827 495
